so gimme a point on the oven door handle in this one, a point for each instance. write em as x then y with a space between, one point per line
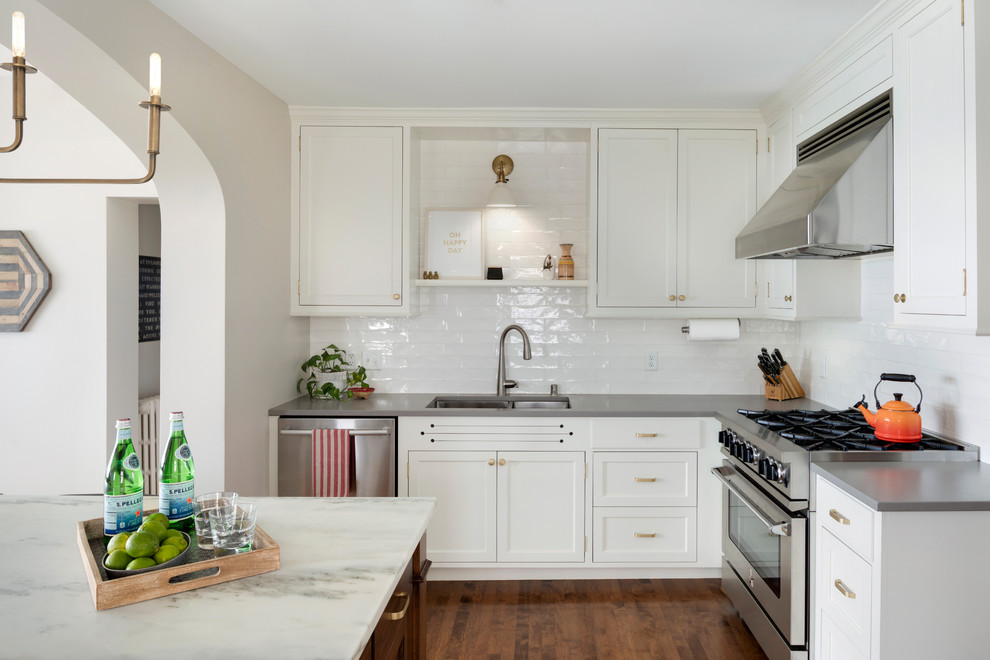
776 528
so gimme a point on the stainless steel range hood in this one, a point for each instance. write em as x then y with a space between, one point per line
838 201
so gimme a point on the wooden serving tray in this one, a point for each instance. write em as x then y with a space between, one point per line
202 569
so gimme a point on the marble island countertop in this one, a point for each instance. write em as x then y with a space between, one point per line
340 563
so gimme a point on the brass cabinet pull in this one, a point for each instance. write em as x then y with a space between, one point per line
648 480
395 296
844 590
398 616
899 297
838 517
673 298
646 435
641 535
501 461
681 297
491 461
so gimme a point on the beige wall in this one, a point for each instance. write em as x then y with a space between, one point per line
228 343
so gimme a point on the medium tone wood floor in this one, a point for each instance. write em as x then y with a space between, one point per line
607 619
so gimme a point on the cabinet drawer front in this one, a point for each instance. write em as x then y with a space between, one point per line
646 478
850 520
645 534
845 589
834 644
647 433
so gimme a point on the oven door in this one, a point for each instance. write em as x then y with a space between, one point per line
766 546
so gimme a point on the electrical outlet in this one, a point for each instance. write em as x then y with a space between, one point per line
652 361
372 360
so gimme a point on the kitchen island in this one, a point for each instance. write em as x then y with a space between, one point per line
341 560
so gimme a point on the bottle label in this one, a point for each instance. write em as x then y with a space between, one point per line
175 425
122 513
176 500
132 462
183 452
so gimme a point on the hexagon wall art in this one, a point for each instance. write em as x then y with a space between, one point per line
24 281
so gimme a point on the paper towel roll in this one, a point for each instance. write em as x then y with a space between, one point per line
712 329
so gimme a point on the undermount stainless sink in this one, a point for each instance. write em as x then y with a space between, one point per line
500 402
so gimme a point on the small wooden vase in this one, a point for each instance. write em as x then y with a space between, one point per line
565 265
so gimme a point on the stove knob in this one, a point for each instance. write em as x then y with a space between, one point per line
784 476
765 468
748 453
738 450
772 472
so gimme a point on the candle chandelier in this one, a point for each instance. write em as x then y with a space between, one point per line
19 69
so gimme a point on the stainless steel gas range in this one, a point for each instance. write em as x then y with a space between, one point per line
768 514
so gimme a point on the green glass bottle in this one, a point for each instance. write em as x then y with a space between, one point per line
123 491
176 478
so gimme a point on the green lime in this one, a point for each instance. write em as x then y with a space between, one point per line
173 532
141 544
118 541
159 518
175 541
155 528
165 553
117 560
141 562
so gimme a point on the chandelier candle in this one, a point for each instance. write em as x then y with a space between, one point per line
123 491
176 477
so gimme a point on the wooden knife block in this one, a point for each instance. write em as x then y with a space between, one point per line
789 387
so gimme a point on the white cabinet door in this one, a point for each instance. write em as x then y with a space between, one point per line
348 247
716 184
929 171
540 506
781 158
637 217
463 526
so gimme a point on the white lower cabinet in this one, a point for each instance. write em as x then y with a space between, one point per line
568 496
505 506
897 585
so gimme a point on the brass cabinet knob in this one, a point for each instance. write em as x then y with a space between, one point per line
899 297
501 461
673 298
681 297
491 461
395 296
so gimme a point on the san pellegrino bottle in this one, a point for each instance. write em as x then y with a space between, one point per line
123 491
176 477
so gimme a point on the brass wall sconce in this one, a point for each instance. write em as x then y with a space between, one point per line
19 68
501 196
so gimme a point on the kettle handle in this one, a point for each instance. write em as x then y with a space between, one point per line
899 378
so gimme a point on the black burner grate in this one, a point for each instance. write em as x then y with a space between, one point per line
837 430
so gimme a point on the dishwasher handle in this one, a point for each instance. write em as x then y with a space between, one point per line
351 431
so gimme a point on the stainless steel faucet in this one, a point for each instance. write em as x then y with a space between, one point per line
503 382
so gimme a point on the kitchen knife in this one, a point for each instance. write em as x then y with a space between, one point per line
768 369
780 358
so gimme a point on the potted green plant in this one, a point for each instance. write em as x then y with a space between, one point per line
358 383
325 375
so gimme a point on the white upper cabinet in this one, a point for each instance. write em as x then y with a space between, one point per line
670 203
348 255
930 217
716 187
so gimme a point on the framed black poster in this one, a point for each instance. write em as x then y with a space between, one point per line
149 298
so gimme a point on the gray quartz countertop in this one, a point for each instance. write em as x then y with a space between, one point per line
913 486
582 405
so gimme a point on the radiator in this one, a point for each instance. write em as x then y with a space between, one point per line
147 439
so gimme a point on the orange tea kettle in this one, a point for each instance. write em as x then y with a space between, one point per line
894 421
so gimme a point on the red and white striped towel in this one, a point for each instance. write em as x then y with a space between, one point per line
331 462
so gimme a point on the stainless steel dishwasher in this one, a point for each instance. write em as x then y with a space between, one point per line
372 456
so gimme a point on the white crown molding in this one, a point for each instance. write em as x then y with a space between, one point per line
528 117
873 28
